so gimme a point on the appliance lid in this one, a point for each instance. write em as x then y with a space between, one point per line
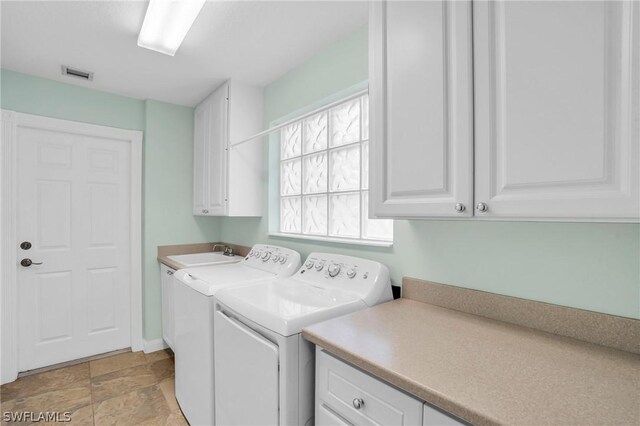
286 306
209 279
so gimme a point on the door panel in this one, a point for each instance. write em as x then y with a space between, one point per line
102 287
53 306
421 108
246 375
74 207
54 231
103 206
557 89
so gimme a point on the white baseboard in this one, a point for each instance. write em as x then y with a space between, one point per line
154 345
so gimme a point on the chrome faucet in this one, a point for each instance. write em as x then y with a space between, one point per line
227 251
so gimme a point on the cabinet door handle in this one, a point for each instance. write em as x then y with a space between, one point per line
205 211
358 403
482 207
169 272
460 207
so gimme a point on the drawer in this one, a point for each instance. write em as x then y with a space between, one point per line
342 387
326 417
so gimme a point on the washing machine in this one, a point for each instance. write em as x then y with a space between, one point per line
263 365
195 294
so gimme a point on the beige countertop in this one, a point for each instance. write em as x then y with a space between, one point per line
487 371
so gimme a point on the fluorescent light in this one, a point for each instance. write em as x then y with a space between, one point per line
166 24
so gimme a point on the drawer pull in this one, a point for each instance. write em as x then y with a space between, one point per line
358 403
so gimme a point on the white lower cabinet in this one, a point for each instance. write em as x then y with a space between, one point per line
167 284
346 395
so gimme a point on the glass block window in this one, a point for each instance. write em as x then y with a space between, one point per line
324 176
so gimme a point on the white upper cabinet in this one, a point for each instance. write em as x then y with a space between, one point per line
557 122
547 126
227 181
420 88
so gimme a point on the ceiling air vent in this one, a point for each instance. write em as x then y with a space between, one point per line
74 72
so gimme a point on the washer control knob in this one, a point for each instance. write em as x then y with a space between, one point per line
275 259
334 270
351 273
266 256
309 264
319 266
283 259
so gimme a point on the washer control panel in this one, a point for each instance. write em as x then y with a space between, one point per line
279 260
330 267
354 274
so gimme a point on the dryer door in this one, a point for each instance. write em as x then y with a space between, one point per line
246 375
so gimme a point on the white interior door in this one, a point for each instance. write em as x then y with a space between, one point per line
74 206
246 375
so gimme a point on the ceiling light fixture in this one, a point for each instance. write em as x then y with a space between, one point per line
166 23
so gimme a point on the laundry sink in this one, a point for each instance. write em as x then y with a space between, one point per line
202 259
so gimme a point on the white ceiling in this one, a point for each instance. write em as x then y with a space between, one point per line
252 41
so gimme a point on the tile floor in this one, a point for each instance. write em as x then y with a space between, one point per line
131 388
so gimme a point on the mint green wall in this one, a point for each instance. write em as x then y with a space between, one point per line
168 195
167 163
584 265
39 96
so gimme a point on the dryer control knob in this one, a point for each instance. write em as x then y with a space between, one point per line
283 259
266 256
334 270
309 264
275 259
351 273
319 266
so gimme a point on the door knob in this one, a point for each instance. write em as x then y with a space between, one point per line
28 262
482 207
25 245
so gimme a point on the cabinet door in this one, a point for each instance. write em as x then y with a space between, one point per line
217 151
556 109
421 109
168 318
201 131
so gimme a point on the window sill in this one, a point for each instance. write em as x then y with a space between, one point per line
320 239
